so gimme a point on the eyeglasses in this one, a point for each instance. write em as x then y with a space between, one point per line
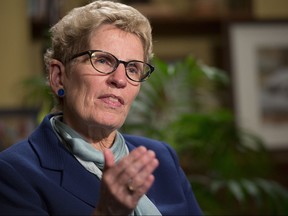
106 63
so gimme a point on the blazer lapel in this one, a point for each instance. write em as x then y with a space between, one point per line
80 182
53 155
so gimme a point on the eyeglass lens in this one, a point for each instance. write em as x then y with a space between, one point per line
107 63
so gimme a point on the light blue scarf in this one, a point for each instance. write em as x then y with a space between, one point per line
93 160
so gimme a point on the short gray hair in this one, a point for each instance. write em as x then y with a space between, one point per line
72 33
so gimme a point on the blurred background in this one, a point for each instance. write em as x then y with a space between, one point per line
219 94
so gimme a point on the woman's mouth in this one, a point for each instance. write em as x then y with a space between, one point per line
112 100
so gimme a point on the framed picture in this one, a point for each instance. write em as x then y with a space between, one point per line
259 66
16 125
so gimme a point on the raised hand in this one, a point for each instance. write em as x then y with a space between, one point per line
123 184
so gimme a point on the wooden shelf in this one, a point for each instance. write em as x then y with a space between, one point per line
167 20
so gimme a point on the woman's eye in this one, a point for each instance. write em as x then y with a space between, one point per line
133 70
101 61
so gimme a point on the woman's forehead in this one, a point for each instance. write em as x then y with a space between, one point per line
116 41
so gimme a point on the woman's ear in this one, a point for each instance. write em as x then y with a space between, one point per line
56 75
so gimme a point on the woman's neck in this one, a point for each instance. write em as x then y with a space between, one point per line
99 137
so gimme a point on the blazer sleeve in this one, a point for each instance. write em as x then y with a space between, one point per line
194 208
17 197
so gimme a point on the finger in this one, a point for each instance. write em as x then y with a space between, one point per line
114 173
138 161
135 176
108 158
128 161
138 192
143 161
143 177
132 165
146 186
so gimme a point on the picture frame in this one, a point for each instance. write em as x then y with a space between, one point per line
258 54
16 125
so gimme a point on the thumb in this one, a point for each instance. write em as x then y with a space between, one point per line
108 158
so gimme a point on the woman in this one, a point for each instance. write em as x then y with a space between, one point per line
76 161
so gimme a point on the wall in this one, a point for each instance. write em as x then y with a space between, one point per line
15 51
271 9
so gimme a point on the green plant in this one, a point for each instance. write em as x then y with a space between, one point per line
228 167
38 94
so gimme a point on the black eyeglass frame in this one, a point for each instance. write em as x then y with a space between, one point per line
118 61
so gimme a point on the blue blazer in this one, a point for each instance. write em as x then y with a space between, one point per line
39 176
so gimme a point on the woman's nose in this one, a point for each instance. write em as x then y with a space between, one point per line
118 78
